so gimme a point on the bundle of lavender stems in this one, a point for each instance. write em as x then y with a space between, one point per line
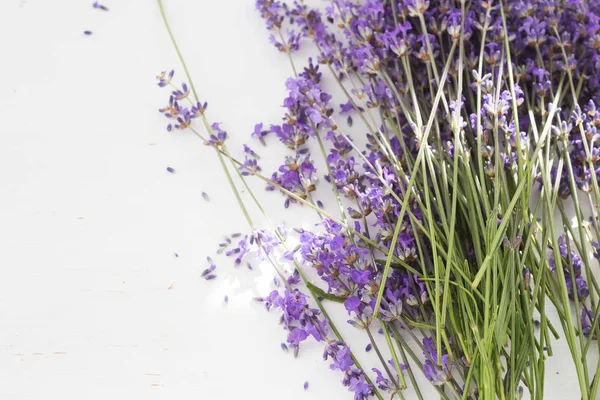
465 212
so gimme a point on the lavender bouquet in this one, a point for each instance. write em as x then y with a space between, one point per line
460 149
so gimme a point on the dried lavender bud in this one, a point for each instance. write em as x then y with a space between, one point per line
251 152
368 348
208 270
236 235
284 347
306 385
99 6
205 196
176 255
226 299
87 33
354 214
171 170
206 273
349 120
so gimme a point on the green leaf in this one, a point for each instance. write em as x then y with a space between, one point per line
317 291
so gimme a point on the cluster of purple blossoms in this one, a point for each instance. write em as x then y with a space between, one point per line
496 118
354 378
587 323
181 116
208 272
342 264
307 110
405 296
344 172
250 165
351 274
297 175
584 149
298 318
572 268
261 242
274 13
291 44
437 374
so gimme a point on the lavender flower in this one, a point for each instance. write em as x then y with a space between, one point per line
298 318
576 263
437 374
218 137
165 78
296 175
272 12
207 273
99 6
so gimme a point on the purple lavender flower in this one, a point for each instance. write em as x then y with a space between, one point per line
99 6
181 94
382 382
581 287
587 318
165 78
242 249
437 374
340 356
250 152
259 133
249 167
206 274
356 382
272 12
182 116
353 304
291 44
298 318
218 137
297 175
